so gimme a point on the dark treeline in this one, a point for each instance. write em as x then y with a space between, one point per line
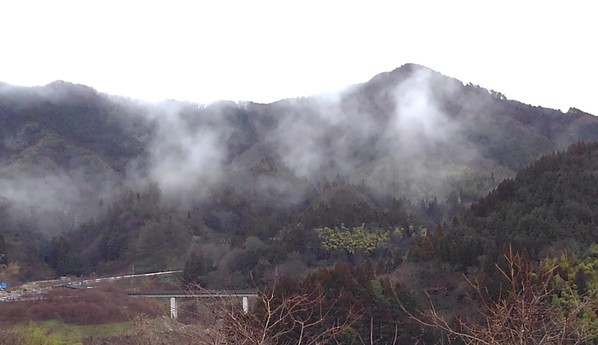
363 197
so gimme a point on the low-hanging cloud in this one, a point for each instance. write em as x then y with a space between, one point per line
186 152
51 199
397 133
393 133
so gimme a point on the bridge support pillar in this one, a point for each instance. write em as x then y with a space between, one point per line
173 311
245 304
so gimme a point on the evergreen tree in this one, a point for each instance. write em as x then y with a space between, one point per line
62 258
195 268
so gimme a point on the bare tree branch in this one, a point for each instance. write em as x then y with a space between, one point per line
522 314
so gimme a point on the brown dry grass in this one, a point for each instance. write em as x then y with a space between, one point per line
102 304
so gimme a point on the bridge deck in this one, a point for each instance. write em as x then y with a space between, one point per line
192 294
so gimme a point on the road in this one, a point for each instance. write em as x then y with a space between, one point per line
36 290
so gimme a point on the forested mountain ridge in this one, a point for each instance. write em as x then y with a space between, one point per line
553 201
404 151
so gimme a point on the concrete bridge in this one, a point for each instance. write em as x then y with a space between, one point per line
173 295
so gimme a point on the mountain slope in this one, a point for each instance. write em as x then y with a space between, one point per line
411 131
554 200
71 157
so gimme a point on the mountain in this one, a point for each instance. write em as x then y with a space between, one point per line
410 147
551 201
61 152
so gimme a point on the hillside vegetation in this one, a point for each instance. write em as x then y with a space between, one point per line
381 198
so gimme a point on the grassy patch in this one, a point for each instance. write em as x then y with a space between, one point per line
72 334
98 306
56 332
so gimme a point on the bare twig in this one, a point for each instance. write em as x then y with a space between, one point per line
523 315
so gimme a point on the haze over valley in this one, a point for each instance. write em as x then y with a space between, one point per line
67 150
381 197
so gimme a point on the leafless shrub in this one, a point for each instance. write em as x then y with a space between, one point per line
522 314
306 318
103 304
8 337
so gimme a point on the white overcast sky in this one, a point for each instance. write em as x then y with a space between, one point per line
539 52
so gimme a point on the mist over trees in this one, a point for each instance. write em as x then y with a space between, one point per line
394 187
73 159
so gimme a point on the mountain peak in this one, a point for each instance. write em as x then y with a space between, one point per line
410 66
67 85
400 73
67 91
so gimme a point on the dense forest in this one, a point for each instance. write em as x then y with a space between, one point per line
409 191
